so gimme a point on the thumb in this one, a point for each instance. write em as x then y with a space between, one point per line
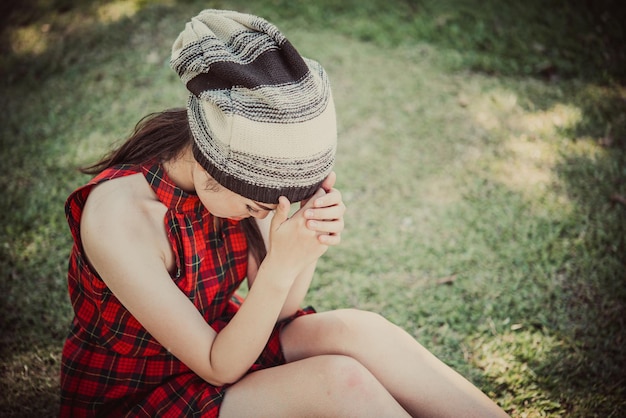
282 212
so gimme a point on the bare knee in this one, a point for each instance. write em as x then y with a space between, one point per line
357 327
342 372
335 332
324 386
347 380
351 389
363 319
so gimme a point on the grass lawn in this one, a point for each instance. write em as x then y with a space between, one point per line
482 157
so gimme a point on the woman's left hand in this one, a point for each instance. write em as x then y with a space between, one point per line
326 215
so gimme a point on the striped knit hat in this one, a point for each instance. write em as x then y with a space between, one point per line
262 116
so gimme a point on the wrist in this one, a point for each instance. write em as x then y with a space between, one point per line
278 272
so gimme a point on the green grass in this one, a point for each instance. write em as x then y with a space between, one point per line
482 158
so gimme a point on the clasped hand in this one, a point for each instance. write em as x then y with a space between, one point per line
301 239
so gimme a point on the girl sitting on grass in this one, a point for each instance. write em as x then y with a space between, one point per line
197 200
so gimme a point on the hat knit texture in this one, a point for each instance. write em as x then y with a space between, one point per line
262 116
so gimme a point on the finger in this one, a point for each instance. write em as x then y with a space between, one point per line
282 212
332 197
304 202
329 182
309 202
329 239
326 213
326 227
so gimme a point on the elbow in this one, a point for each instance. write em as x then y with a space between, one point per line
223 365
222 382
288 311
211 380
221 378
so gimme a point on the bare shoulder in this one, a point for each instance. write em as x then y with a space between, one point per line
128 202
122 217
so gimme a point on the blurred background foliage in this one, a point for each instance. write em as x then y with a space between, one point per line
555 38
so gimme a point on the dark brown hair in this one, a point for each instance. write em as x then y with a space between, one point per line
161 137
158 136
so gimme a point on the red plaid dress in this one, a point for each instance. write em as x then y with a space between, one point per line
111 365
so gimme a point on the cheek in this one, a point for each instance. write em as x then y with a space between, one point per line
209 199
219 205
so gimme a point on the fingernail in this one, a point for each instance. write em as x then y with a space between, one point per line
308 214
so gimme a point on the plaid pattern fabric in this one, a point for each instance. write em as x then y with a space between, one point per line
111 365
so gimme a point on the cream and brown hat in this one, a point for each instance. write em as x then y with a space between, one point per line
261 115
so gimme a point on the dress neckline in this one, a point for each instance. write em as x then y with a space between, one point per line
168 192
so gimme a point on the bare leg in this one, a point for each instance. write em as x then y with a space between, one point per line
320 386
419 381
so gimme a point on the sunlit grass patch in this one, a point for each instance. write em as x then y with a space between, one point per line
30 40
515 361
116 10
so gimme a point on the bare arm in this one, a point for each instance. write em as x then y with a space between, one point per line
123 236
301 283
325 217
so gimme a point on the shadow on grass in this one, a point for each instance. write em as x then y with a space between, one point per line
41 39
588 311
29 384
43 92
544 39
593 290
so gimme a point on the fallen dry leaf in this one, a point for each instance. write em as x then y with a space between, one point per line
618 198
447 280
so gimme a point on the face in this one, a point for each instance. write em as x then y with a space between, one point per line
224 203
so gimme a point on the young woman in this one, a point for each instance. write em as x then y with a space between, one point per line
196 201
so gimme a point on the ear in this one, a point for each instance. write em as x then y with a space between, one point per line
209 183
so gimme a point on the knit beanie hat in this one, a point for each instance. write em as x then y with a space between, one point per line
262 116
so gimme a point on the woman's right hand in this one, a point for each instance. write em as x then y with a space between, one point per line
292 244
